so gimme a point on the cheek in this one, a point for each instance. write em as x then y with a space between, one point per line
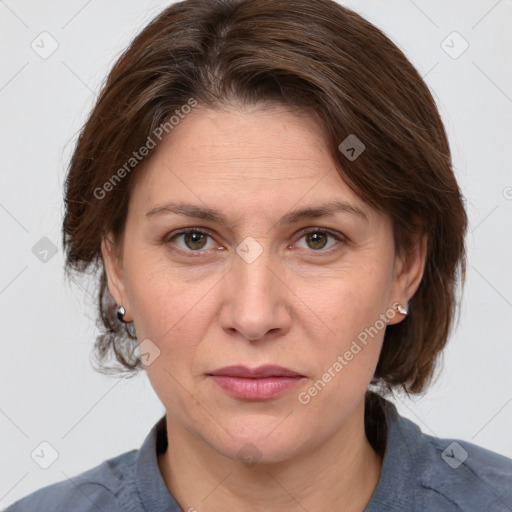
162 300
346 364
174 314
352 302
353 309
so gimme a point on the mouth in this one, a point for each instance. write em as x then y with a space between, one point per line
256 373
259 383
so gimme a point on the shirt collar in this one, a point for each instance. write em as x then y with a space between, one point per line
400 467
151 486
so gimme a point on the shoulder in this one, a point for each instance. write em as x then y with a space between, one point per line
105 487
467 474
457 474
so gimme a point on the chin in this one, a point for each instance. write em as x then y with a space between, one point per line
259 439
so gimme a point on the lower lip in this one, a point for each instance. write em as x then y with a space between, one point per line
255 389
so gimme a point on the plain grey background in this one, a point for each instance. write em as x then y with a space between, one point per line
54 57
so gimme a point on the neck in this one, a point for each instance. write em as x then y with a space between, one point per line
340 474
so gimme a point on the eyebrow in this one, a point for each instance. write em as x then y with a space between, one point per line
200 212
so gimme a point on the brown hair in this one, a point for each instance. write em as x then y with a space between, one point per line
306 54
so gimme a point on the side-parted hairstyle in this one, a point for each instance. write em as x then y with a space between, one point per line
308 55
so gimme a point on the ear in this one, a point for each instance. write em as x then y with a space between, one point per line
408 273
112 260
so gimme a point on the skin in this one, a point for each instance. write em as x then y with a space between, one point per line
299 304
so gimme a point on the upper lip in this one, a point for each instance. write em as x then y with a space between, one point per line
255 373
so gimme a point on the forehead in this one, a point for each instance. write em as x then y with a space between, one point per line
261 158
260 142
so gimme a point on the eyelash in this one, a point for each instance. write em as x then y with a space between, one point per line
302 233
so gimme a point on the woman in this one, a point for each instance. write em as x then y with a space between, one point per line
266 191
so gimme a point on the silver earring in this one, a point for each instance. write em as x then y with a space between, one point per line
120 312
401 309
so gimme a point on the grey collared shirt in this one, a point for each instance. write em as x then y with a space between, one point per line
419 473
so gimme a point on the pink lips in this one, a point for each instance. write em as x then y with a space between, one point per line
255 383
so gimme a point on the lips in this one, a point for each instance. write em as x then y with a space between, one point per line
256 373
259 383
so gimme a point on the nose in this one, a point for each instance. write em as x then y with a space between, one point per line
256 300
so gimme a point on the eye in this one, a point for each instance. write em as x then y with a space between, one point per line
318 239
194 240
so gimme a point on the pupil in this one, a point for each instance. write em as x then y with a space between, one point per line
315 238
195 238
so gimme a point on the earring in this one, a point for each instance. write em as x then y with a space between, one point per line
120 312
401 309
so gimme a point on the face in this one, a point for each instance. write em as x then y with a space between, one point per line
257 282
